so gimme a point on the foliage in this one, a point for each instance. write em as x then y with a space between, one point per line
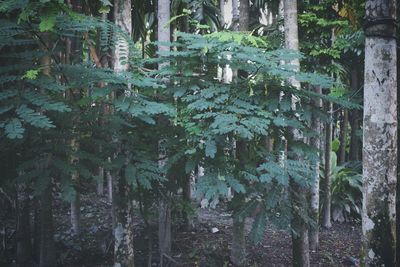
346 190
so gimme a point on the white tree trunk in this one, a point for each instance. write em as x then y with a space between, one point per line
122 209
380 135
300 243
314 192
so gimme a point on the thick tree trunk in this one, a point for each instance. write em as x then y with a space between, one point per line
244 18
343 137
235 15
300 242
380 135
326 211
23 235
314 194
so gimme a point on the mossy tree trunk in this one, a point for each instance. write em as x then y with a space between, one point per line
380 135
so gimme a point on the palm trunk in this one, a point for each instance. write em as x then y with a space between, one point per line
380 135
326 211
298 193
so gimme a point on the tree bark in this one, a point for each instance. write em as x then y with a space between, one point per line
23 235
326 211
47 246
235 15
164 216
354 121
100 182
300 241
380 135
314 192
76 201
121 201
244 17
343 137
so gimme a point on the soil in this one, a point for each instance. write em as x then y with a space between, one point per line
339 245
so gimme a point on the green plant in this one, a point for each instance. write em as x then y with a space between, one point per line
346 190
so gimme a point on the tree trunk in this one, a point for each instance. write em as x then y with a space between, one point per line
380 135
235 15
47 246
326 211
343 137
244 18
23 235
76 201
76 213
354 121
121 201
164 216
314 194
238 250
100 182
300 242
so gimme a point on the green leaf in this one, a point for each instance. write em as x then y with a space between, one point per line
14 129
211 148
47 23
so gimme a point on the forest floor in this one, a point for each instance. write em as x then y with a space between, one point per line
339 245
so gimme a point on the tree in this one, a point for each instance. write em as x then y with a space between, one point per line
122 202
164 217
300 243
380 134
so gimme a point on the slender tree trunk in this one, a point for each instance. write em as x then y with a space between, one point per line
76 213
100 182
354 121
380 135
164 216
47 246
343 137
121 201
187 197
36 229
326 211
238 250
76 201
314 194
23 235
300 243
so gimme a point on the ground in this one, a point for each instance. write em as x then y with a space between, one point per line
339 246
